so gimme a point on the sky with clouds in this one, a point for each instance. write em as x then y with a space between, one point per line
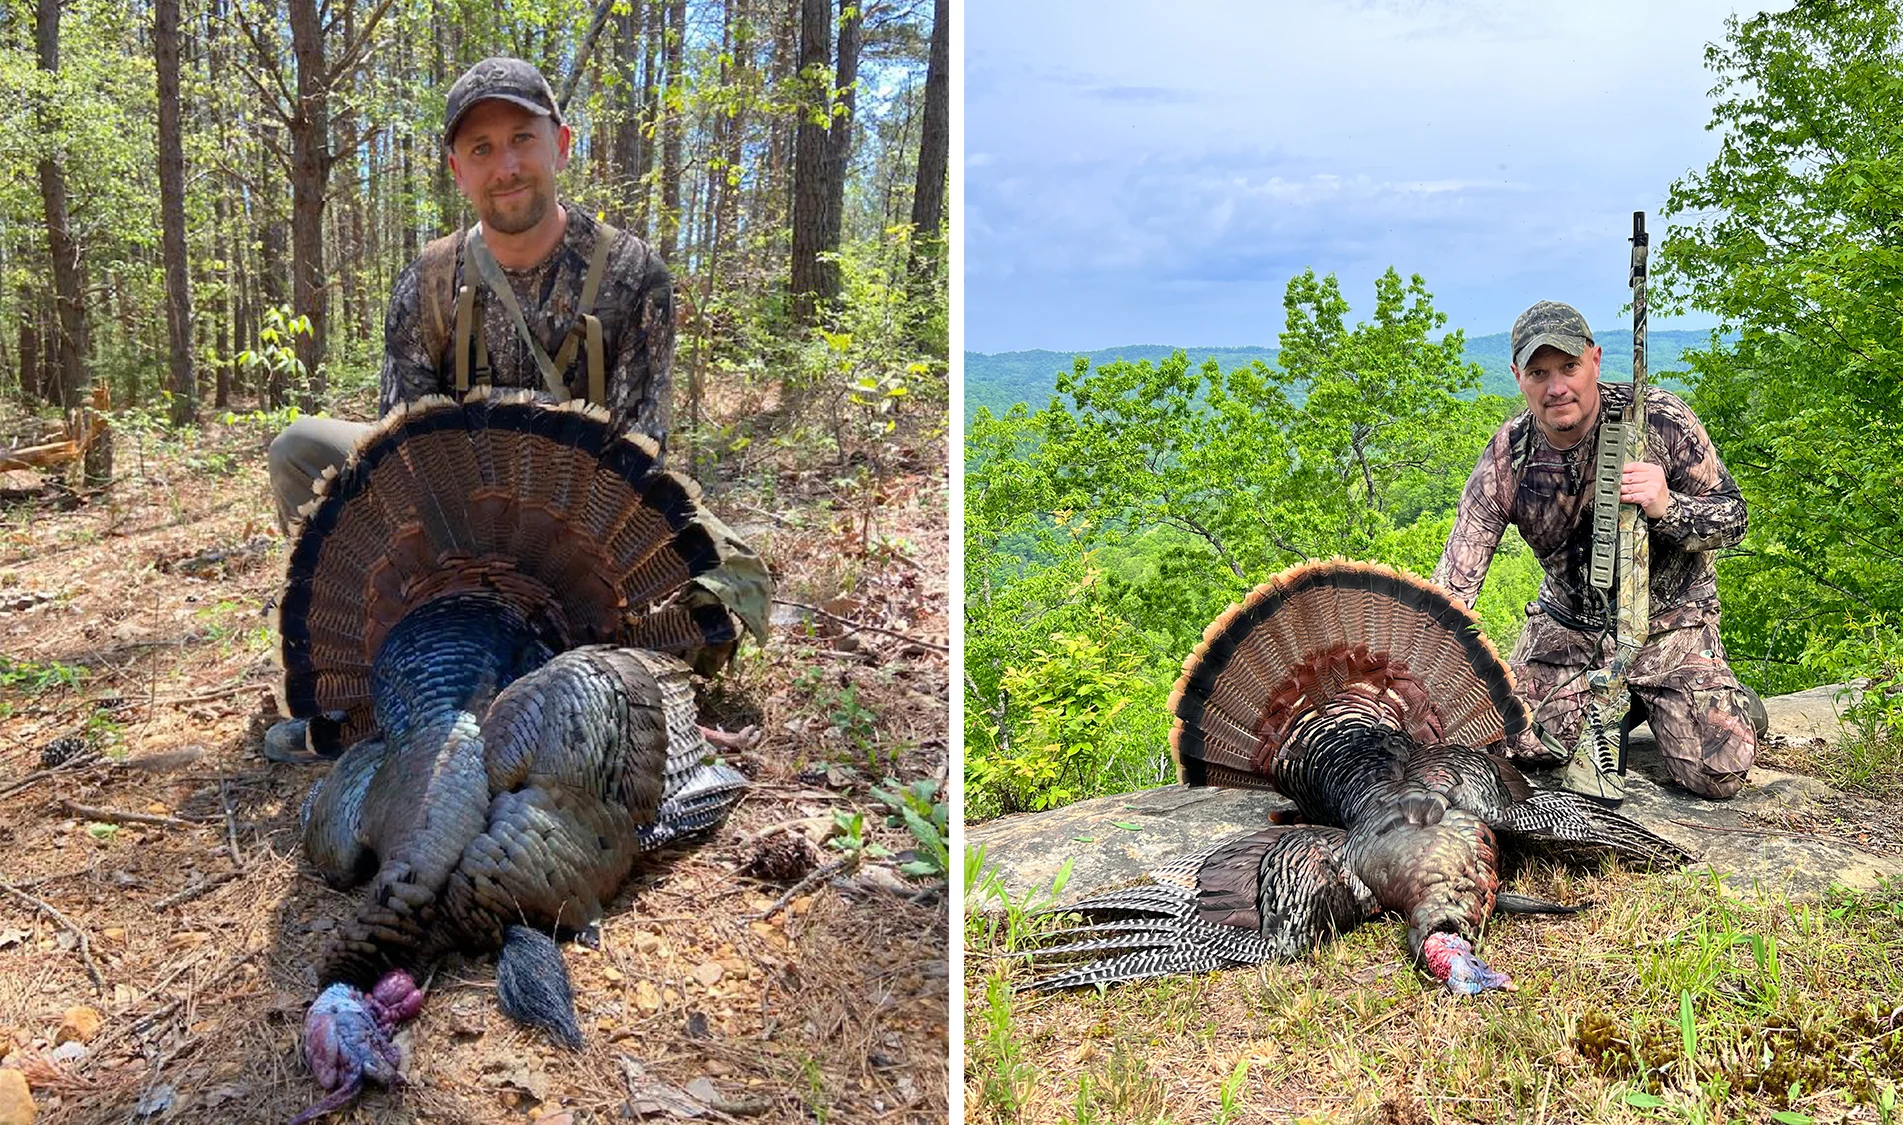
1145 174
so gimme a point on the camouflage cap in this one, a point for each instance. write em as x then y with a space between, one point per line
512 80
1549 322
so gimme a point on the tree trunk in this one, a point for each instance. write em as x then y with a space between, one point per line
630 173
675 127
811 156
448 204
31 312
732 128
310 173
178 279
768 202
839 146
651 84
224 342
934 151
72 380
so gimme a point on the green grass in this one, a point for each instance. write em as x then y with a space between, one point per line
1671 999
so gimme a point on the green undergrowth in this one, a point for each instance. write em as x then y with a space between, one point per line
1669 998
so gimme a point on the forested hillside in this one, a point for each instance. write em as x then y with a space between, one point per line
999 380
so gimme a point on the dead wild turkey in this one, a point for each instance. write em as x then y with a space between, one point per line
1367 697
483 600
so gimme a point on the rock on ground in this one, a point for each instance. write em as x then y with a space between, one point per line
16 1101
1115 840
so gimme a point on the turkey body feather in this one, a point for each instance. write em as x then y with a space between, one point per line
480 599
1368 698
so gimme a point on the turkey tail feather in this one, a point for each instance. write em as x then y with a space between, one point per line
1567 821
1412 657
1270 895
547 506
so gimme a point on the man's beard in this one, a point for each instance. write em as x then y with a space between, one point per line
533 210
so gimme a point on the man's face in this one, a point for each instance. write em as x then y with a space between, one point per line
1562 391
504 159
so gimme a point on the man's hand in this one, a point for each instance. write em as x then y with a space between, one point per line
1643 483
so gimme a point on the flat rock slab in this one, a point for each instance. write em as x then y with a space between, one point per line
1111 841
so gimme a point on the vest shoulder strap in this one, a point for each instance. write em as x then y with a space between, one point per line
436 283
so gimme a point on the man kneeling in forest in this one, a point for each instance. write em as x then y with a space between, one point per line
1537 474
538 295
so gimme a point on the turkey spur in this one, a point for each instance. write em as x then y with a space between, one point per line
1372 701
485 602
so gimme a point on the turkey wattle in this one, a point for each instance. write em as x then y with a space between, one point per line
485 599
1367 697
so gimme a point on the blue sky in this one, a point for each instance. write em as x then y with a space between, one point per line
1133 176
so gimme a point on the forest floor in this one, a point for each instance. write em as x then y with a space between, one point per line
155 877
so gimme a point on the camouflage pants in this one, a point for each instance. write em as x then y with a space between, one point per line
1699 713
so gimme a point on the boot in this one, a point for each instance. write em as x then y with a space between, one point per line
1760 718
303 741
1597 770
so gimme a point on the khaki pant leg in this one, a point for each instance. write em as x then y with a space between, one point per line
301 453
1701 717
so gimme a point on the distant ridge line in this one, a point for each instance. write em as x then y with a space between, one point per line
997 380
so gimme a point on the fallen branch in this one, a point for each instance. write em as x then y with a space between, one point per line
176 973
124 1030
196 890
862 626
85 943
73 765
231 822
123 816
212 695
47 456
812 879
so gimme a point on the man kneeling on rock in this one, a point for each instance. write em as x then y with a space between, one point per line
1537 475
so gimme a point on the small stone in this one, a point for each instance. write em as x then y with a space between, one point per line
156 1100
647 997
709 973
113 933
79 1025
611 973
67 1052
16 1101
157 808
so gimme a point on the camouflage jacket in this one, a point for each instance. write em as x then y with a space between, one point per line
1547 494
635 305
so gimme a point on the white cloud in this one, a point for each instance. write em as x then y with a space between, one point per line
1134 168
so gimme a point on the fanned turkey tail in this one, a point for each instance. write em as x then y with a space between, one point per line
1272 895
1331 645
546 508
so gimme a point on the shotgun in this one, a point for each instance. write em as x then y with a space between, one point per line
1620 571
